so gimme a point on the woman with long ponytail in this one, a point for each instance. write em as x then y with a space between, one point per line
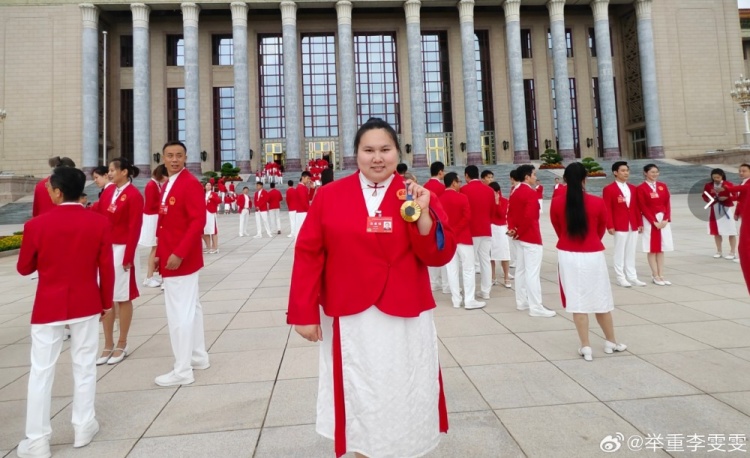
580 220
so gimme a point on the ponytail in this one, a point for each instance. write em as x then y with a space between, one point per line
575 208
123 163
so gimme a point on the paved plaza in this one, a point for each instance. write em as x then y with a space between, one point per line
515 385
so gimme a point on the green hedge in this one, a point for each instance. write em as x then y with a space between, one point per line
12 242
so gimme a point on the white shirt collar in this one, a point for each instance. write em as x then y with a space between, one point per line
172 178
367 184
69 203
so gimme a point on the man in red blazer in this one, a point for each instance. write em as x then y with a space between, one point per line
741 198
244 204
291 205
302 203
436 186
456 206
69 247
182 216
482 203
624 222
260 200
274 206
523 226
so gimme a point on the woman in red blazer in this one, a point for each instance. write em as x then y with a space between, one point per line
152 200
721 212
580 220
211 229
360 285
42 202
656 210
124 208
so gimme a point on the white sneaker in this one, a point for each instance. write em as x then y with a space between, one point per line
522 307
259 236
729 256
484 296
197 365
737 260
37 448
636 282
85 434
542 312
153 283
145 281
586 353
610 347
289 236
172 379
717 255
471 305
624 283
242 235
446 291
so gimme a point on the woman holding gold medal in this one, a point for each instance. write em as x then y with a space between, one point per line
363 254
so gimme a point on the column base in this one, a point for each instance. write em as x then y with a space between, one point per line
612 153
88 171
195 168
292 165
521 156
474 158
244 166
568 154
350 163
144 170
419 160
656 152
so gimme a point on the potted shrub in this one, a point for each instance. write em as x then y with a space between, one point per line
551 160
230 172
593 169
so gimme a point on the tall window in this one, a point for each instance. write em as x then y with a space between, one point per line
597 116
176 113
126 51
126 123
222 50
224 133
175 51
320 115
484 79
526 44
592 42
437 88
568 41
532 135
271 75
574 114
376 77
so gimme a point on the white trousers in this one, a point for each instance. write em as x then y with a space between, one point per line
262 216
275 218
46 343
624 258
513 245
299 221
528 280
293 223
185 321
438 277
462 261
244 221
482 247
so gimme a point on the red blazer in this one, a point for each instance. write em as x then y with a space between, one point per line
539 192
152 197
230 188
180 230
338 265
303 199
69 247
500 217
241 198
222 186
741 198
291 199
260 199
274 199
229 198
457 208
42 201
620 216
650 204
559 189
482 202
523 214
212 202
436 186
125 217
596 214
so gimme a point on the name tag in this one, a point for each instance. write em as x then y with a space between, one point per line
163 209
620 199
112 207
380 224
654 195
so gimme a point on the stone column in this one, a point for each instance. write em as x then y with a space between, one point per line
292 100
648 76
471 98
90 87
348 96
515 76
190 13
607 103
141 89
416 83
562 84
241 86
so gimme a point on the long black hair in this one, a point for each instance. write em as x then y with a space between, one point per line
123 163
575 208
718 172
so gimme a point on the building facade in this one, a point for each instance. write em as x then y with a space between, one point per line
473 81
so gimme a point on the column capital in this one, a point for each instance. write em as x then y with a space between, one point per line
344 12
512 10
601 10
190 13
239 13
140 14
556 10
466 10
643 9
90 15
412 11
288 13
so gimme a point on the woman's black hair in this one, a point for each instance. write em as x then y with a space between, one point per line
70 181
495 186
123 163
326 176
648 167
575 208
100 170
718 172
375 123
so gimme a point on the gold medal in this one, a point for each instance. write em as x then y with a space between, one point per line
410 210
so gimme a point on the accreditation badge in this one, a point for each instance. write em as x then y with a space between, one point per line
379 225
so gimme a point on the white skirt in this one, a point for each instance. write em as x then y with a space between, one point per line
726 226
666 236
584 282
148 230
122 277
210 227
500 250
391 387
